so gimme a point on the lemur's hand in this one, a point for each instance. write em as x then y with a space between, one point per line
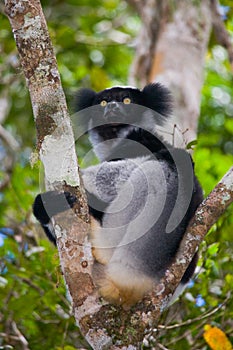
51 203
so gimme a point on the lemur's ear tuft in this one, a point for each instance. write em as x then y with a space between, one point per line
84 99
157 97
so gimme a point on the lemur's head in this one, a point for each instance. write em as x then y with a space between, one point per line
114 112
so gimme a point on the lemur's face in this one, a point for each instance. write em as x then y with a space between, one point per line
115 112
117 103
113 109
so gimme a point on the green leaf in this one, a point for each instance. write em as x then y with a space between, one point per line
213 249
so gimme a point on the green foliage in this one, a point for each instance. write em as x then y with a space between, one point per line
33 297
92 42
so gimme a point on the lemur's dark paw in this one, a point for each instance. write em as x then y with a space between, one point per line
71 199
51 203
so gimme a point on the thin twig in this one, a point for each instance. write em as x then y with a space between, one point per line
31 284
9 336
8 164
8 139
21 337
189 321
162 347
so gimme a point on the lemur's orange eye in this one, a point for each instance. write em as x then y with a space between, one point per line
103 103
126 101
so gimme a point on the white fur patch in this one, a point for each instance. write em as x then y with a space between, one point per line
123 87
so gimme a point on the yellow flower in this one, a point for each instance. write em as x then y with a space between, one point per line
216 339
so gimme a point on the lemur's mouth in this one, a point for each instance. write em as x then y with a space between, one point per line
110 130
118 114
112 124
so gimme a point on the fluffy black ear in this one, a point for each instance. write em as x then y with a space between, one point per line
157 97
84 99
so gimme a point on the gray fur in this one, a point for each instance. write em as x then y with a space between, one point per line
132 225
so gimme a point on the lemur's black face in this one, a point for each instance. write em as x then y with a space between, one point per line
113 112
116 104
108 113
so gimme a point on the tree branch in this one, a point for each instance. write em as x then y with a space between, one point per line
55 139
153 14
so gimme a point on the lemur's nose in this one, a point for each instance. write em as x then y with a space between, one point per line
112 107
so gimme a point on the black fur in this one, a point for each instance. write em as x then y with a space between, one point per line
154 96
51 203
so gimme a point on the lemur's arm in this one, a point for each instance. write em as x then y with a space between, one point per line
100 184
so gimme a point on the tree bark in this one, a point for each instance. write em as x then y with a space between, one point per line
177 60
55 140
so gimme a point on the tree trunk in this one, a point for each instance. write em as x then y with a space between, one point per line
55 141
177 60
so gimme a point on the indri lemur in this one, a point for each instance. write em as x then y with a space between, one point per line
141 196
